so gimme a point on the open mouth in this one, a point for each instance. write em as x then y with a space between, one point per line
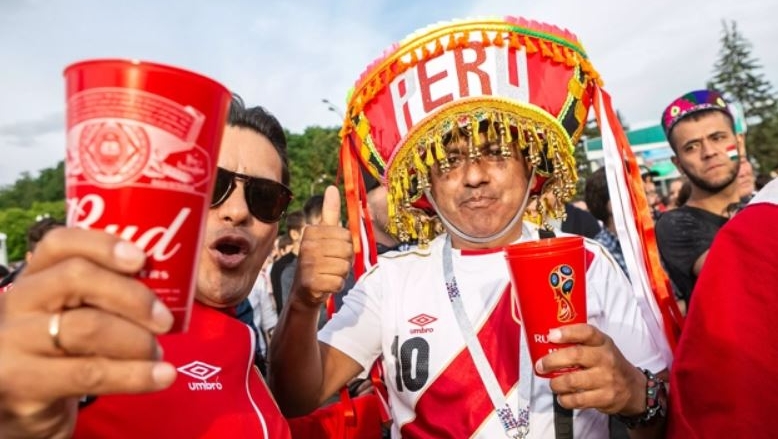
230 251
230 248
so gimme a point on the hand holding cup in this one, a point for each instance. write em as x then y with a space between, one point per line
143 142
77 323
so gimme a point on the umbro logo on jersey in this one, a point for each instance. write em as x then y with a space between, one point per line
201 371
421 321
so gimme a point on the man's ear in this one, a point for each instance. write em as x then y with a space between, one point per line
674 159
741 144
294 234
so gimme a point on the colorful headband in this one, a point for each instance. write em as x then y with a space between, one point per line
521 81
690 103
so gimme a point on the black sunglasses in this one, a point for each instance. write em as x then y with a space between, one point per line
266 199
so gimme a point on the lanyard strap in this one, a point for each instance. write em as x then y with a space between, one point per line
563 418
515 427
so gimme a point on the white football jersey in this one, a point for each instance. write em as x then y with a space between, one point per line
401 310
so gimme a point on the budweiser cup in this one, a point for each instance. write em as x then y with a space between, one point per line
142 145
549 278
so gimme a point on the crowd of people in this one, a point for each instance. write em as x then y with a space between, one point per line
480 163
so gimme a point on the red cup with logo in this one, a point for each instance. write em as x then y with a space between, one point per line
549 278
142 146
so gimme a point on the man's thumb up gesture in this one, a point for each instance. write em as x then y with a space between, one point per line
325 256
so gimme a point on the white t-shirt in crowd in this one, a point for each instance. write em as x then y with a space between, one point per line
263 305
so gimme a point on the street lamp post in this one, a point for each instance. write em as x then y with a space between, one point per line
334 108
318 181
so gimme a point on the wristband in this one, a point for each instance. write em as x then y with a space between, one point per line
656 402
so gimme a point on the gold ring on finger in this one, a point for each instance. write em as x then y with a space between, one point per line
54 331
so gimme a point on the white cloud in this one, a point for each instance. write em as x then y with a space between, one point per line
24 133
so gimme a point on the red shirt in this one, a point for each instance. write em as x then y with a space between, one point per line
723 381
218 393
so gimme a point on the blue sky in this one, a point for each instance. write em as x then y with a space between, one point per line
288 55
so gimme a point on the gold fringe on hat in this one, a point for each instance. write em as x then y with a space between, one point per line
541 139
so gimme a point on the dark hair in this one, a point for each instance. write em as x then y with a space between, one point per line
696 116
312 208
261 121
37 231
762 180
684 193
295 221
596 195
284 241
370 181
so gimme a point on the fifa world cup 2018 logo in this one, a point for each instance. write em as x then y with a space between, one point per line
562 279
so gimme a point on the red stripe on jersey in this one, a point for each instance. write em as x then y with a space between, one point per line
457 403
589 258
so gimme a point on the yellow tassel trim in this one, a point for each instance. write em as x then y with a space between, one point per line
491 129
571 58
498 40
464 39
545 50
425 53
452 42
408 173
514 41
531 47
438 48
414 59
558 57
485 40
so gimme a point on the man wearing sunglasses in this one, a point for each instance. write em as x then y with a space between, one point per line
109 320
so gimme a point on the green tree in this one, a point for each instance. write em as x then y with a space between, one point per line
584 167
737 74
15 221
49 185
584 170
313 160
27 198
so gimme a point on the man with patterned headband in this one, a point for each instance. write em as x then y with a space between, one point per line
700 129
452 120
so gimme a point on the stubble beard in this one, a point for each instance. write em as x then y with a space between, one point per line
712 187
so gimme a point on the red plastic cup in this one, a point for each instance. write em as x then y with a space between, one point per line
142 146
549 278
